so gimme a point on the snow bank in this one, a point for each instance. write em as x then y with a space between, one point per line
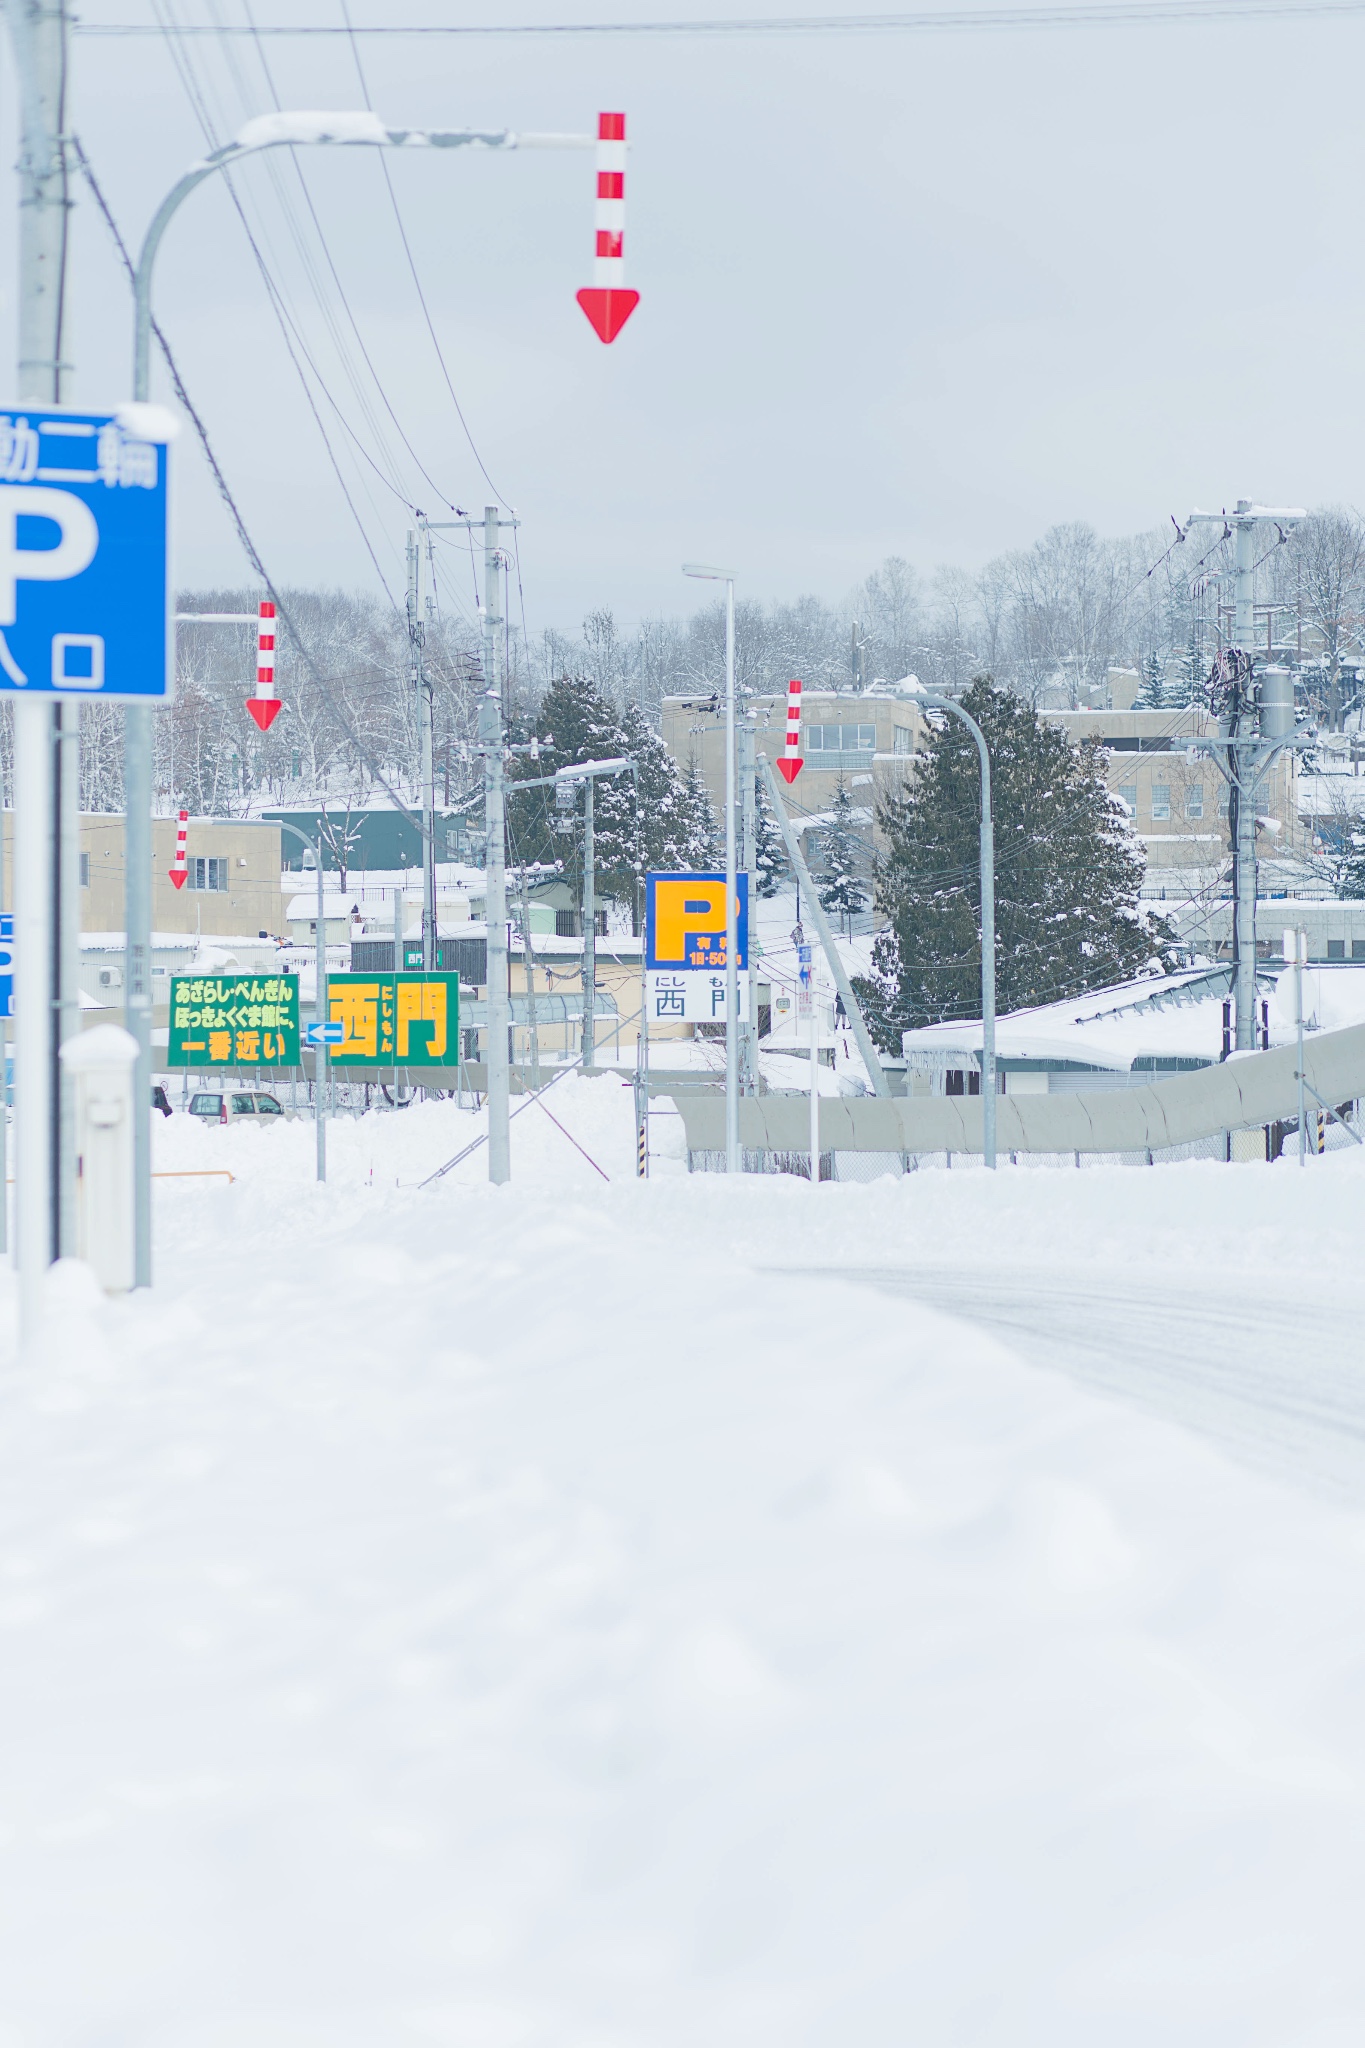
510 1618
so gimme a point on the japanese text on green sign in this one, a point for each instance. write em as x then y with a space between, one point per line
404 1020
234 1020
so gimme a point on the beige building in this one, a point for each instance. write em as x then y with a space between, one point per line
232 888
1175 795
864 738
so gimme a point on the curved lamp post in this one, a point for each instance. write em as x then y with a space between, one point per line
916 690
345 129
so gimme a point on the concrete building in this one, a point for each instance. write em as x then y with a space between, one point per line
232 887
1174 794
866 739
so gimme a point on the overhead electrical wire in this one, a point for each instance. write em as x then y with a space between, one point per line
416 280
289 328
336 279
931 20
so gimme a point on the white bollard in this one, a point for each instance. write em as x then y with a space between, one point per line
102 1063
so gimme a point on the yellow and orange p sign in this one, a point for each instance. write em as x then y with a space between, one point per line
685 921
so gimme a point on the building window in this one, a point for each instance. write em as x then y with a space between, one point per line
1336 949
841 739
1358 949
208 874
85 871
902 740
1161 801
1194 800
1224 801
566 924
1128 795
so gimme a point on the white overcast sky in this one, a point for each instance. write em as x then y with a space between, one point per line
916 294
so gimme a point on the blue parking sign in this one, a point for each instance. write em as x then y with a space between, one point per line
685 921
6 965
85 589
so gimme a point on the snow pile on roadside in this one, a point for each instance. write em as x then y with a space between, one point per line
507 1618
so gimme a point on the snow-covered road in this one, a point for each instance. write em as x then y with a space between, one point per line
1275 1375
522 1618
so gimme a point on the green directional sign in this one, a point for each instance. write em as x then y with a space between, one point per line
395 1020
234 1020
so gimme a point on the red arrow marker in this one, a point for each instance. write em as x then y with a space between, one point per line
608 310
179 871
263 704
790 761
607 302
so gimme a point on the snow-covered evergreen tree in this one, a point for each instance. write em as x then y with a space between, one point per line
1191 673
838 883
701 844
770 855
1153 694
1350 879
1068 874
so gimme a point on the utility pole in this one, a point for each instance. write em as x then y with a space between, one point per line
588 1048
747 741
425 708
491 744
43 810
1255 724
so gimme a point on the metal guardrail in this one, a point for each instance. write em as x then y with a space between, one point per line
1254 1089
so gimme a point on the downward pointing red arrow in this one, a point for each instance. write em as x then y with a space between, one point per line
608 309
789 766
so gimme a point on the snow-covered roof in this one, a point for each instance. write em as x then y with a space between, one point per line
305 906
1175 1016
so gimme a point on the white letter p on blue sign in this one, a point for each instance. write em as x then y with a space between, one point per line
84 576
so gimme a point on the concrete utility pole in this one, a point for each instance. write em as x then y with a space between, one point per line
732 1159
424 705
747 741
1255 725
589 1031
44 801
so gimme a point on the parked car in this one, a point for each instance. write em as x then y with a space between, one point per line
235 1108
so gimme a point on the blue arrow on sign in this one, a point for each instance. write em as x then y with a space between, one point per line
325 1034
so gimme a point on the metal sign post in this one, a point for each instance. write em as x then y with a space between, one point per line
84 613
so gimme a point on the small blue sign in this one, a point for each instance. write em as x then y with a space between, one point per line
85 587
6 965
685 922
325 1034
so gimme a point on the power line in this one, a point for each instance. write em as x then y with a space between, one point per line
290 331
417 282
1106 14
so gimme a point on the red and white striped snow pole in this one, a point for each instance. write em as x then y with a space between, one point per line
606 302
790 762
263 704
181 865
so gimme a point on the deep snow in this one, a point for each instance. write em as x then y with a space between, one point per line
520 1617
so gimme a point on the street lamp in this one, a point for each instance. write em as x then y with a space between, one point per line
346 129
910 687
726 576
